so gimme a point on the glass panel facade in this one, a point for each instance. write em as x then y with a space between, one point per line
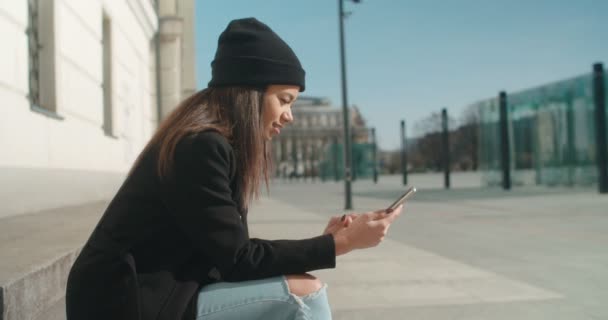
552 135
332 161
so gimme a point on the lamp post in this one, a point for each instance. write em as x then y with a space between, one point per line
403 153
374 156
346 122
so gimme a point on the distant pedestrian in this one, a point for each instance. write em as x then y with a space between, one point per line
174 242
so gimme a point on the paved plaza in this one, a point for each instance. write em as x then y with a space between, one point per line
466 253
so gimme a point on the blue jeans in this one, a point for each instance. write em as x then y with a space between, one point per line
260 299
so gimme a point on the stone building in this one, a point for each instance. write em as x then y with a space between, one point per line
84 83
302 145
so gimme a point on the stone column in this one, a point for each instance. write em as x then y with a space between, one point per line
177 61
186 10
170 28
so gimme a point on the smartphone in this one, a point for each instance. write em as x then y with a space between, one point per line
401 199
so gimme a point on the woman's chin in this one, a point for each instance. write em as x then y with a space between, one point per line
270 134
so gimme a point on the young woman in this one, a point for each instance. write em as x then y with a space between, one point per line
174 243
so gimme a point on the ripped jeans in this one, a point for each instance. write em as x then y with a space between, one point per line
260 299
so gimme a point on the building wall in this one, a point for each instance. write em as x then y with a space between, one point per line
186 10
177 58
77 141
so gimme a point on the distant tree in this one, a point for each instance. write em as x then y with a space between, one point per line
466 140
463 139
426 154
390 161
424 151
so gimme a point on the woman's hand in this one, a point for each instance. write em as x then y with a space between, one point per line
366 231
339 222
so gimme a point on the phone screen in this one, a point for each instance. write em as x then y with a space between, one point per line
401 199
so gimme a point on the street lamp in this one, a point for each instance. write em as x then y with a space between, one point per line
345 113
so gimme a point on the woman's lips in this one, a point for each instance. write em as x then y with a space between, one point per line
276 128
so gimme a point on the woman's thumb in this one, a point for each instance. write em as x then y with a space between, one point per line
348 221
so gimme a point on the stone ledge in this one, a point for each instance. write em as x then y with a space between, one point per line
38 251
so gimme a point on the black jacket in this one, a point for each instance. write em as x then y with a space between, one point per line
158 243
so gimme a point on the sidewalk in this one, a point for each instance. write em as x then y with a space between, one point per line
467 253
457 254
392 275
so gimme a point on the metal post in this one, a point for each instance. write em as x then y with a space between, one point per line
446 148
294 158
570 147
374 155
314 170
305 159
283 142
505 156
403 153
346 123
334 153
287 162
600 126
353 159
537 162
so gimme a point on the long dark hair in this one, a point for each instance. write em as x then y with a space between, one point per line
234 112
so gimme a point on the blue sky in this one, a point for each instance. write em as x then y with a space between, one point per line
409 58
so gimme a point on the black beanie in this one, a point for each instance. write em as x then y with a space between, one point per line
250 53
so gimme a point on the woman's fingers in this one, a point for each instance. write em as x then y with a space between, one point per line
347 221
384 214
333 225
378 214
348 218
354 215
333 221
394 214
336 218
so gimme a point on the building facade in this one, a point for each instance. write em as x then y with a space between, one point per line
552 132
301 147
79 81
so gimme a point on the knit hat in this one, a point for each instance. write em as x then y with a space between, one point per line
250 53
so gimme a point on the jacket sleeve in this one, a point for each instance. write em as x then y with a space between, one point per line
200 202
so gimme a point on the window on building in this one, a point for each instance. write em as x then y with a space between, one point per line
34 53
41 52
106 41
296 120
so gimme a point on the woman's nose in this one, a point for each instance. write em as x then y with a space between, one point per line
287 116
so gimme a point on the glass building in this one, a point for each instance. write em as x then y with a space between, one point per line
552 135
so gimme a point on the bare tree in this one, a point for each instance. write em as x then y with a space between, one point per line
466 142
426 154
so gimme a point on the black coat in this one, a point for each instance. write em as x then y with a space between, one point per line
158 243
